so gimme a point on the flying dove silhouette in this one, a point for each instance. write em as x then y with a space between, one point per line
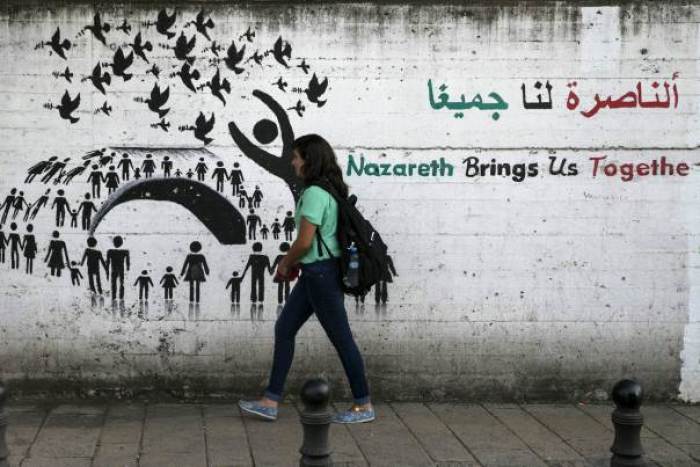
59 46
234 57
164 23
202 25
97 78
68 106
187 77
184 47
217 85
120 64
138 47
158 99
316 90
97 27
282 49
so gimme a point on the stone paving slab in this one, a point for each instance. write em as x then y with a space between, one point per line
404 434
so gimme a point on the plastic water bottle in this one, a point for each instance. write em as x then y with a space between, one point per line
352 276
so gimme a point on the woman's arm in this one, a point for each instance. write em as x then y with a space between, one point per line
301 245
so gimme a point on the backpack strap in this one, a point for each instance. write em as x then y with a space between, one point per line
321 242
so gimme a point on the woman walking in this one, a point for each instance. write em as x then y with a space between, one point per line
196 267
318 289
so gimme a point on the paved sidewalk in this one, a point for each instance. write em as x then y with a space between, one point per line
405 434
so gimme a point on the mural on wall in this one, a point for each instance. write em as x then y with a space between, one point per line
168 53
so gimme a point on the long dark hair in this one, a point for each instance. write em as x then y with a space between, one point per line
320 162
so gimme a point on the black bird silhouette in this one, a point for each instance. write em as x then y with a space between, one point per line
154 70
215 48
217 85
165 22
304 66
187 77
104 109
248 35
138 47
184 47
66 74
316 90
281 84
257 58
299 108
97 28
68 106
201 128
120 64
125 27
97 78
234 57
282 49
201 24
163 125
57 45
157 100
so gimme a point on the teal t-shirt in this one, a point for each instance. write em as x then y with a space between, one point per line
321 209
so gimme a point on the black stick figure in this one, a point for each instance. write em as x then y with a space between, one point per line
289 224
276 229
38 204
201 169
380 289
61 205
166 165
15 243
169 282
86 209
257 197
148 166
55 255
117 265
144 282
259 264
282 285
8 204
19 204
3 246
253 220
196 269
95 179
75 274
30 249
94 259
74 219
111 180
264 231
235 284
125 164
236 178
221 176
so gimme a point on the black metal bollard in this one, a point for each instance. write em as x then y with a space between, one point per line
4 453
316 420
627 419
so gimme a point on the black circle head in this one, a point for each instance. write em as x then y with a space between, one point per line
235 164
627 394
277 219
87 195
60 192
53 158
220 164
265 131
94 167
125 155
55 234
111 167
48 191
30 227
195 247
148 156
72 263
169 269
284 247
289 213
257 247
201 159
13 226
118 241
167 158
21 193
252 211
13 191
91 242
144 272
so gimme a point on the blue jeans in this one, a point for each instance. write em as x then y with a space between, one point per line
317 291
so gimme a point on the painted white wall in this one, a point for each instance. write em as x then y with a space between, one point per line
550 287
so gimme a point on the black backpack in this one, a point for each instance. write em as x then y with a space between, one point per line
353 227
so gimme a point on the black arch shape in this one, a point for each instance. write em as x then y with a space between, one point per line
222 219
